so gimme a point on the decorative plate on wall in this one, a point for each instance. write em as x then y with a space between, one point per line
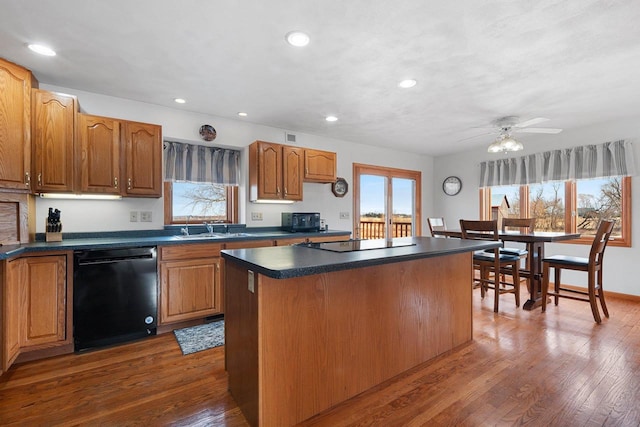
340 187
207 132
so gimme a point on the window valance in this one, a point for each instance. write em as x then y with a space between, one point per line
198 163
589 161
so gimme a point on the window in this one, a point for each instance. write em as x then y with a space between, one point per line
575 206
200 202
386 202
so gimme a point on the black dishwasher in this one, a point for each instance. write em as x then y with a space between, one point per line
115 296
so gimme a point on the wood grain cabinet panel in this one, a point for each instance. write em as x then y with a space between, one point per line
319 166
189 289
143 159
43 298
275 171
53 127
99 154
15 126
10 313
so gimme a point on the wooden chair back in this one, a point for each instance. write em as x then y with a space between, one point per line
600 243
527 225
479 230
436 224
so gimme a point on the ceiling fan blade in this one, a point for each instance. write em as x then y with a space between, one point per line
476 136
530 122
539 130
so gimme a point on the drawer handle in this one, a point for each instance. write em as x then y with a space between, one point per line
129 184
115 182
27 179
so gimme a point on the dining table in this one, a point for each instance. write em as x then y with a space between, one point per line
535 243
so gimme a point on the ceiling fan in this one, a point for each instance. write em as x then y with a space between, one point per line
506 126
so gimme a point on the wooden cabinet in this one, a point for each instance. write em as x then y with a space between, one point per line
15 126
142 144
36 305
118 157
98 154
190 282
275 171
319 166
53 130
10 313
295 240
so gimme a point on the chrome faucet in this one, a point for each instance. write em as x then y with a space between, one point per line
209 227
185 230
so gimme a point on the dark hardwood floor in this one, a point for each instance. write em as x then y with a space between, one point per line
523 368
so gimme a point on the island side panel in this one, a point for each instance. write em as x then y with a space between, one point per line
241 340
325 338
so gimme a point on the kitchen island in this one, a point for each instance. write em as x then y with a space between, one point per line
308 327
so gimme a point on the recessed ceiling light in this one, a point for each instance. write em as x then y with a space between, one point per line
297 38
241 114
406 84
42 50
180 100
331 118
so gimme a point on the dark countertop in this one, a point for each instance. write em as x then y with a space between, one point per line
129 239
284 262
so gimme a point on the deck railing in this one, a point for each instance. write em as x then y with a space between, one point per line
375 229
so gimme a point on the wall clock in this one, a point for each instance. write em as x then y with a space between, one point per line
340 187
208 132
451 185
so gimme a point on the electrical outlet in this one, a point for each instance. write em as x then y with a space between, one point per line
252 288
145 216
256 216
344 215
133 216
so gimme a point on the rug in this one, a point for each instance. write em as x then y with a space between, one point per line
201 337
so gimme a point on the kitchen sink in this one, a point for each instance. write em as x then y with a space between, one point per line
203 236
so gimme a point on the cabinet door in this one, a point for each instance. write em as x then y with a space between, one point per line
15 126
189 289
143 159
43 295
319 166
99 154
293 159
53 134
269 171
11 313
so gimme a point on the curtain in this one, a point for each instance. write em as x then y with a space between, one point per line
198 163
589 161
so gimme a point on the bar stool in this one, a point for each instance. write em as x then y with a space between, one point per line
591 265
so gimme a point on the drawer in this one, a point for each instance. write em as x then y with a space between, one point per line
189 251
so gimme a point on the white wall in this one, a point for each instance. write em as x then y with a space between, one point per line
178 124
619 271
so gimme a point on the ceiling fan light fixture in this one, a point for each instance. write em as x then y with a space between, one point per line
504 144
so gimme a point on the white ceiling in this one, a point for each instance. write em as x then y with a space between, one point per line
575 62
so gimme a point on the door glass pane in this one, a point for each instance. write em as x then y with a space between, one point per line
546 204
372 206
598 199
403 209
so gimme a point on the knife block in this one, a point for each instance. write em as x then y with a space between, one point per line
53 236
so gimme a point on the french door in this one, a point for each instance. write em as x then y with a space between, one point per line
386 202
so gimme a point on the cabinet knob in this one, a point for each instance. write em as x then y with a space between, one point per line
129 184
115 182
27 179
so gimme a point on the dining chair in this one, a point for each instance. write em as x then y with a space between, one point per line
436 224
497 263
523 225
592 266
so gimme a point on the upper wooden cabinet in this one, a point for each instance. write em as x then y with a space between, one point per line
99 154
319 166
275 171
15 126
143 158
53 130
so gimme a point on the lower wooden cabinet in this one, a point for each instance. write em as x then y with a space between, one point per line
190 282
36 305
